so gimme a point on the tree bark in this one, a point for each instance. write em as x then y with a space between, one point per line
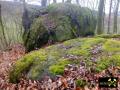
109 17
2 28
48 2
103 25
43 3
100 17
115 17
77 1
26 22
54 1
69 1
25 17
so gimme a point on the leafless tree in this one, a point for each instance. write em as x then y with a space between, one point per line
43 3
54 1
100 17
109 17
69 1
103 21
2 28
77 1
48 1
26 22
116 16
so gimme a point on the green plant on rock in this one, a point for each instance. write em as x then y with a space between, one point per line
78 52
83 49
38 69
112 46
37 36
73 42
63 29
109 36
24 64
106 62
58 68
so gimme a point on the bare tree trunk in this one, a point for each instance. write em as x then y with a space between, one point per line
77 1
96 5
109 17
43 3
69 1
100 17
25 18
54 1
103 16
26 23
87 2
63 1
2 28
49 2
116 16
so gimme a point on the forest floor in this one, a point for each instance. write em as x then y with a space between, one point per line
8 58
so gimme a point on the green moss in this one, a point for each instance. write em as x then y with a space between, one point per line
109 36
78 52
64 9
112 46
73 42
87 15
37 36
58 68
85 46
39 68
64 22
35 71
80 83
88 42
63 28
50 59
25 63
106 62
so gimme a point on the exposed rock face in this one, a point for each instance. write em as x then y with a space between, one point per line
60 23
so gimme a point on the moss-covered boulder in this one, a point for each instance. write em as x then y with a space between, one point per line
61 22
109 36
53 59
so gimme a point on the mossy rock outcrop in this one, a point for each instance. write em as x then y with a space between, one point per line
61 22
53 59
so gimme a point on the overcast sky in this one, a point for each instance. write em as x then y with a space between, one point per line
83 3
